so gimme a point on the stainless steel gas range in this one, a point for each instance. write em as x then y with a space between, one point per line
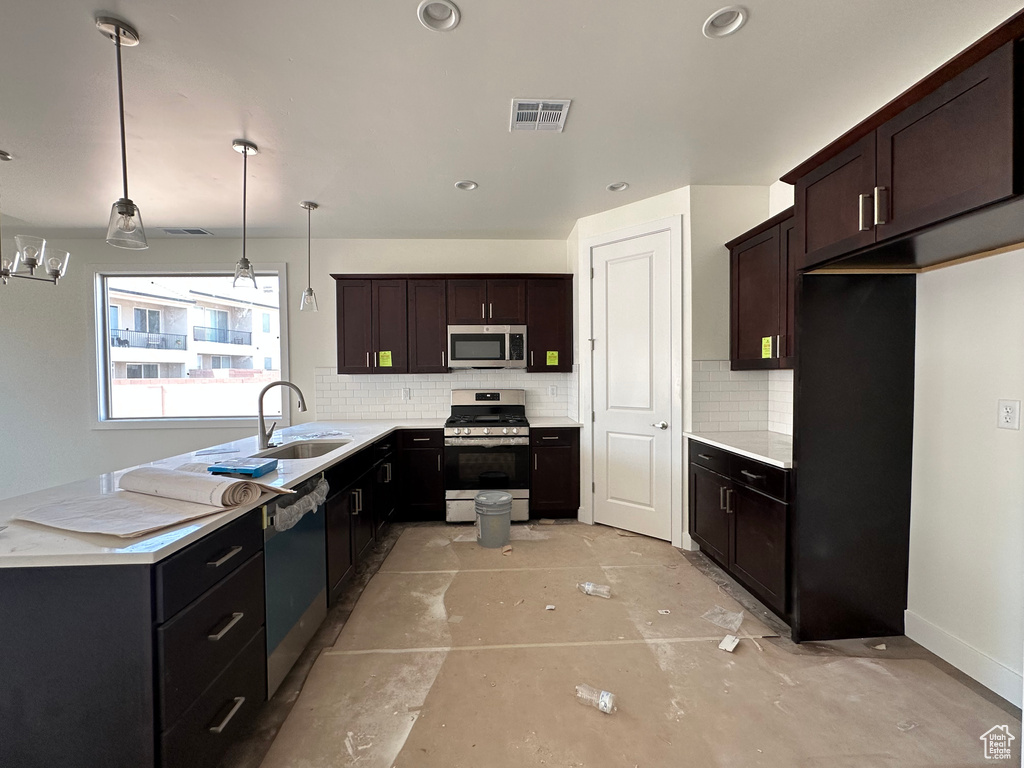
486 447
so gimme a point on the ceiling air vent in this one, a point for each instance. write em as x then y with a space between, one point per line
186 231
539 114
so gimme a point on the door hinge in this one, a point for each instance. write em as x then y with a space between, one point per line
592 344
591 273
593 487
593 416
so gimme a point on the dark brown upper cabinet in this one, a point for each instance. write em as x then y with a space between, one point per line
372 326
501 301
943 155
761 297
428 326
549 325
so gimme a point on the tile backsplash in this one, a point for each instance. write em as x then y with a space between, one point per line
741 401
340 397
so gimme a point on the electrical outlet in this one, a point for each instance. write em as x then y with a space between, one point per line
406 394
1009 414
553 390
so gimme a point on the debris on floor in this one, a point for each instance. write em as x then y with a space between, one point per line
549 607
625 534
729 643
727 620
879 647
546 521
597 590
520 601
664 611
507 549
906 725
602 700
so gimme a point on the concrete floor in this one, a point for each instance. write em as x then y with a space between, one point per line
449 658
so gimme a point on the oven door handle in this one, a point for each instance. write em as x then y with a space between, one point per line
484 442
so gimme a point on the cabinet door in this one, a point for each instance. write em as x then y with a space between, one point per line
787 293
363 528
384 495
506 301
555 481
467 302
709 521
428 326
950 152
834 213
549 325
423 484
755 301
355 340
340 562
390 327
758 556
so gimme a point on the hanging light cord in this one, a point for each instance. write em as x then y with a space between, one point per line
245 176
120 110
309 247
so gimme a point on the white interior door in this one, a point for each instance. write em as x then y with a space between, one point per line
632 376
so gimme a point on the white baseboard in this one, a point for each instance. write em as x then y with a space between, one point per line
969 660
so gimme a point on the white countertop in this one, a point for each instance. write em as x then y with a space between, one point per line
772 448
24 544
552 421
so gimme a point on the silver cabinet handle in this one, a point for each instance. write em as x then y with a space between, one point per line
661 425
439 462
239 701
225 557
553 437
235 618
387 469
728 501
483 314
421 439
442 358
778 345
490 309
374 359
367 359
751 475
881 208
862 202
535 461
705 456
355 503
531 357
721 497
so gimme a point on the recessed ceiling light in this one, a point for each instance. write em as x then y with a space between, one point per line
466 185
438 15
618 186
725 21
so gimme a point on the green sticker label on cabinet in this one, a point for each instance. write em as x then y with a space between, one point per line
385 359
766 347
553 358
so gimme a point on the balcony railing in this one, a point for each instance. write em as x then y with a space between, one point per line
221 335
144 340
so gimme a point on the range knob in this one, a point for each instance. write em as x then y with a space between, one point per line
457 431
515 430
504 430
487 430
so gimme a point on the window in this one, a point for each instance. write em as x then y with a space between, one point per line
175 318
268 363
143 371
266 323
147 320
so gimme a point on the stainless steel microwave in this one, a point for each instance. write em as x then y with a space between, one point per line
487 346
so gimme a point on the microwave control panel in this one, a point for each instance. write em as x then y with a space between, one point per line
516 346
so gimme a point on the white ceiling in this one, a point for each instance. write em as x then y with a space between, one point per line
357 106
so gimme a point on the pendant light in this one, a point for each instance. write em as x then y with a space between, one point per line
125 228
244 269
308 297
31 253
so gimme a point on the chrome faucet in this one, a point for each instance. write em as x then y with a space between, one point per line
264 433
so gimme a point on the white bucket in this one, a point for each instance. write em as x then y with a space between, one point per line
493 518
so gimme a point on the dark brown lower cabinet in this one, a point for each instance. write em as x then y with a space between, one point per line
738 524
421 466
554 472
340 559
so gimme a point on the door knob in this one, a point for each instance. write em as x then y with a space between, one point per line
661 425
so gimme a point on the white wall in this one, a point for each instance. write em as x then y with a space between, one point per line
780 197
966 598
48 380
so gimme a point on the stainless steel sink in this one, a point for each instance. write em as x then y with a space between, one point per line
305 449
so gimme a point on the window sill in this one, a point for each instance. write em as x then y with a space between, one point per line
241 422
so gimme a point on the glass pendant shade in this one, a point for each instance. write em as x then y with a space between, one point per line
56 262
244 271
125 229
308 301
31 251
9 265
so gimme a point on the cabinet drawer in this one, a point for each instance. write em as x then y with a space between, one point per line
184 576
197 644
421 438
545 438
762 477
208 727
714 459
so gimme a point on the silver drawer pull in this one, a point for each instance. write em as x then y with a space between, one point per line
235 618
751 475
225 557
705 456
864 214
550 438
239 701
721 497
421 439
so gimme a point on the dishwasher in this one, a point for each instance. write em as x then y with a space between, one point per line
296 575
